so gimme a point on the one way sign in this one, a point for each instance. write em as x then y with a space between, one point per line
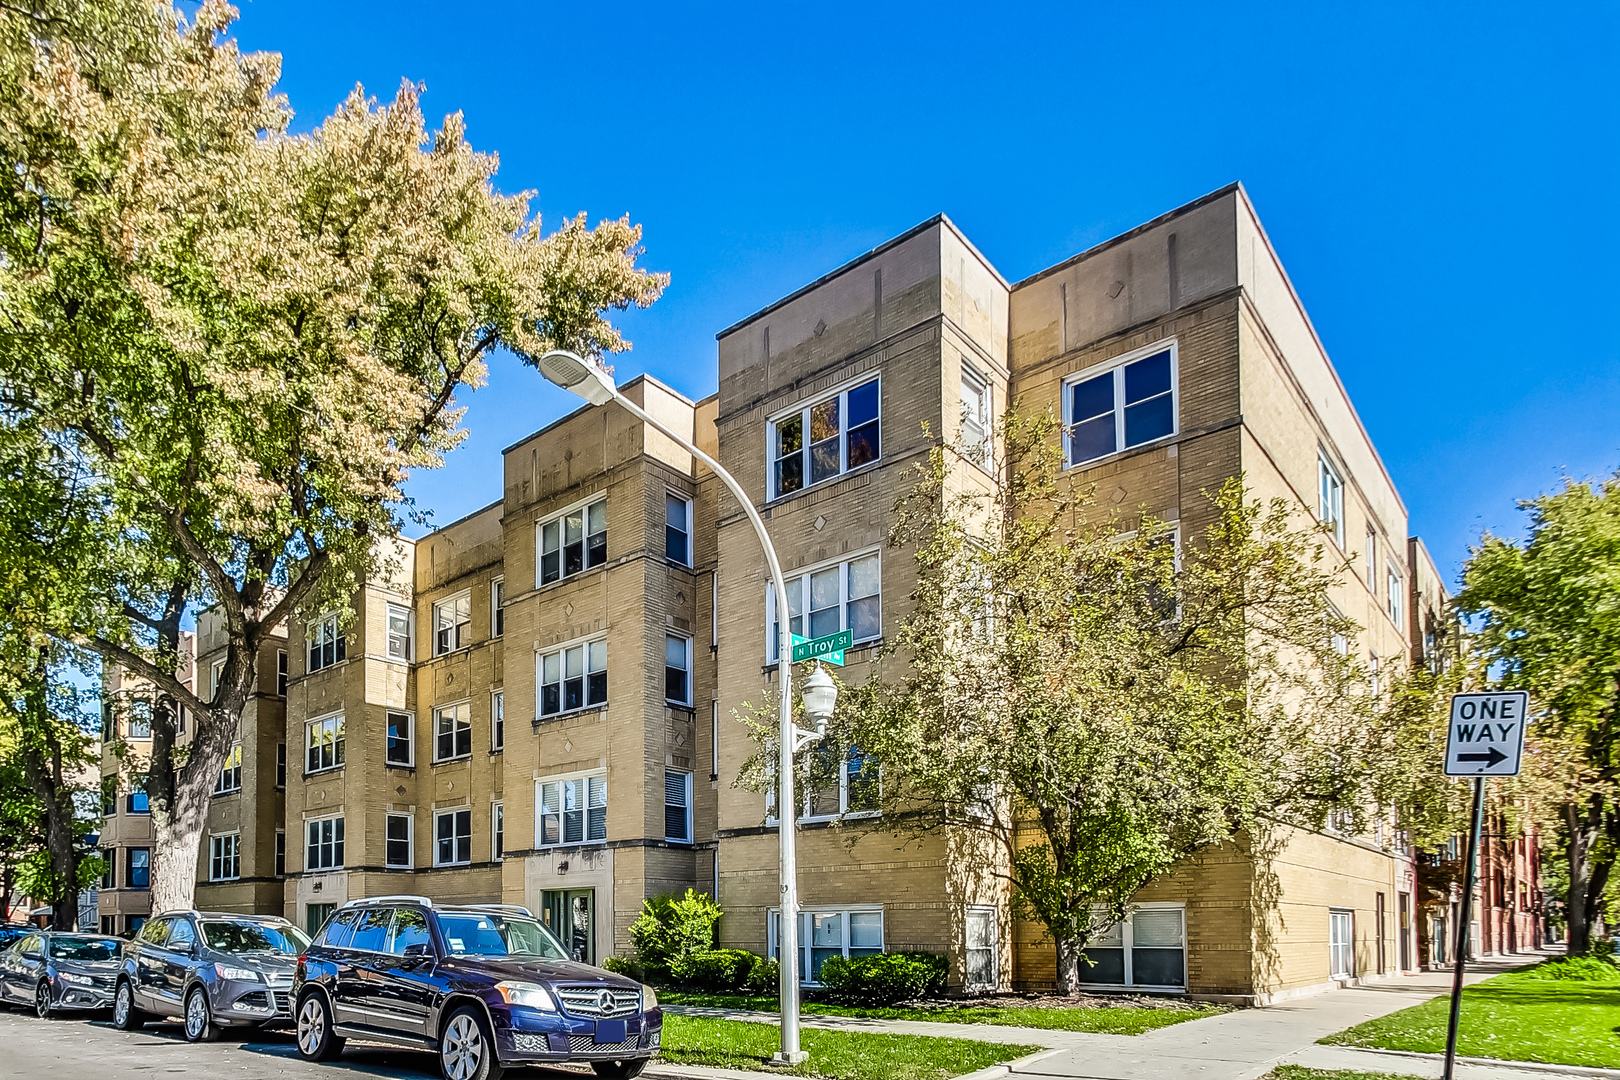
1487 733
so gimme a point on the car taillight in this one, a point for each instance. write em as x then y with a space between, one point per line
300 973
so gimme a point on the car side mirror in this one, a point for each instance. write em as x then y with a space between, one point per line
189 948
419 950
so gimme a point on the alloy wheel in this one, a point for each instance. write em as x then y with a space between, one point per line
122 1005
196 1016
462 1048
311 1023
42 1001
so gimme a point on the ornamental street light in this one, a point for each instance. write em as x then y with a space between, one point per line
592 382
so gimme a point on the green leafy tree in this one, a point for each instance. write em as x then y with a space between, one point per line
1547 613
1086 701
248 338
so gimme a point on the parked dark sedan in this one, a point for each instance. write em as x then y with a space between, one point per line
211 969
484 986
53 970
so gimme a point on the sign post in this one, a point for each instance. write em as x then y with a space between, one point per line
1486 738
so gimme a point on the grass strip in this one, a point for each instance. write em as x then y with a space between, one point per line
1300 1072
835 1055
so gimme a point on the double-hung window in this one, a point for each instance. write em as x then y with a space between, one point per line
678 669
399 632
138 802
572 542
327 643
140 719
1330 497
323 743
452 732
497 720
281 765
824 439
139 869
678 529
401 747
452 624
1372 562
397 840
497 607
1131 403
846 782
224 856
975 415
828 932
281 672
215 671
1148 949
570 810
109 868
497 828
843 596
280 864
452 837
324 850
230 775
571 678
678 806
1396 597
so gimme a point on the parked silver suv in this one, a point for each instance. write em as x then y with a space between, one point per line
209 968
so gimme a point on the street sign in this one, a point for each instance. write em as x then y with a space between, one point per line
830 648
1486 737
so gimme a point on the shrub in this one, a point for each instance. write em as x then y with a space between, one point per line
884 979
1578 969
628 966
716 970
764 977
674 926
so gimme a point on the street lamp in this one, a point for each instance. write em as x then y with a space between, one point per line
592 382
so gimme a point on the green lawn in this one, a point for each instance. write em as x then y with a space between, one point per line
836 1055
1300 1072
1520 1016
1110 1020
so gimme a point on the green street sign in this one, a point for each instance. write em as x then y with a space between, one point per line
830 648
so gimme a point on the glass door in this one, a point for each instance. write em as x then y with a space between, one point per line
570 914
1341 962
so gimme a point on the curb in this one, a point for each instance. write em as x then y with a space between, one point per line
664 1071
1494 1063
996 1072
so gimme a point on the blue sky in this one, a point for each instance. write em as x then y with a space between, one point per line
1439 180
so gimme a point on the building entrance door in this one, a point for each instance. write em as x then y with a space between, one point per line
1406 931
1341 960
571 915
1380 929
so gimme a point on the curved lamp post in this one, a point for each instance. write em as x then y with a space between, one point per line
591 382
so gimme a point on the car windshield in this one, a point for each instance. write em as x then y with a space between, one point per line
86 949
498 935
245 937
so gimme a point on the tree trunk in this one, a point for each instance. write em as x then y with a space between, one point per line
1068 965
179 807
42 756
1577 905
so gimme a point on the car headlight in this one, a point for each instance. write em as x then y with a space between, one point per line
76 980
649 998
532 995
225 971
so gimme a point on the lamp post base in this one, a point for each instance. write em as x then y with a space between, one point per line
798 1057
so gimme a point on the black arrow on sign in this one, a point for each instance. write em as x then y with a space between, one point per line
1490 758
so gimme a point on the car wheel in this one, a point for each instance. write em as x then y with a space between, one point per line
42 1000
199 1017
316 1040
467 1049
619 1070
126 1017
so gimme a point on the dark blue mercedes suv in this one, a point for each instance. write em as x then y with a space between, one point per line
484 986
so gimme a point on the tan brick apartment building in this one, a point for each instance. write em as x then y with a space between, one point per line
533 704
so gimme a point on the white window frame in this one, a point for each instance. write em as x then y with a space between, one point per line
995 950
801 580
1330 496
452 813
335 843
584 507
281 673
215 670
1372 560
232 860
672 494
804 794
497 608
497 832
315 634
1117 366
802 410
340 740
686 806
1127 943
460 629
410 739
1348 918
686 640
807 937
540 813
455 709
497 720
977 451
1395 601
410 841
561 651
232 764
391 612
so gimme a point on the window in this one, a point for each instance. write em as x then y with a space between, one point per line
315 916
399 632
1372 561
109 868
570 810
1131 404
678 669
397 840
182 936
281 853
975 415
1148 949
678 806
138 802
678 529
824 439
182 726
281 672
324 850
323 743
497 611
839 597
1373 680
401 749
828 932
230 776
1330 497
1395 597
851 786
452 624
139 870
572 542
497 720
327 643
452 832
215 671
497 829
983 952
572 678
109 796
225 857
452 732
1340 642
281 765
1341 951
140 719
